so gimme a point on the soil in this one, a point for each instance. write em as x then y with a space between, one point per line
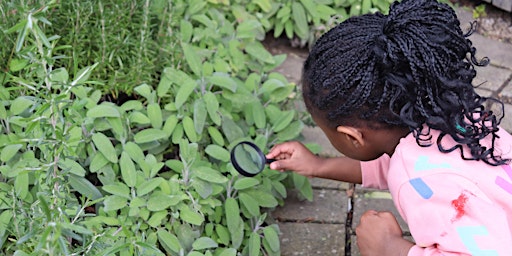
491 21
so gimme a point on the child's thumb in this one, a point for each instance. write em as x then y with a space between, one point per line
280 165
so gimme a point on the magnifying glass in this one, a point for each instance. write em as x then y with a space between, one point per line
248 159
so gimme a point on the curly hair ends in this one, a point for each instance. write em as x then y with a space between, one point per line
409 68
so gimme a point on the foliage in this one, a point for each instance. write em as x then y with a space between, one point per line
150 175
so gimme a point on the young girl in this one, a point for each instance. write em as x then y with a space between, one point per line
393 94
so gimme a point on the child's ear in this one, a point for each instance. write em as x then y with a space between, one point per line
354 135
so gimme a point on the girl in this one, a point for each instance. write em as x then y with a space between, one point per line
393 94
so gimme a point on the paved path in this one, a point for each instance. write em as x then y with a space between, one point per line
326 225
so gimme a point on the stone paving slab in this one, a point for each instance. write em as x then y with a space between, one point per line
491 77
328 206
312 239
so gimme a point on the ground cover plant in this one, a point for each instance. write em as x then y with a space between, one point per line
117 117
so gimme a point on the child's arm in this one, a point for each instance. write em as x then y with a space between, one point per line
296 157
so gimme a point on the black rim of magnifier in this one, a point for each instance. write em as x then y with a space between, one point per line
237 166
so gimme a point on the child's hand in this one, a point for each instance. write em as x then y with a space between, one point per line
294 156
378 233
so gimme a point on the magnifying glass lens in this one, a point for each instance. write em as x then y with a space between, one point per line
247 159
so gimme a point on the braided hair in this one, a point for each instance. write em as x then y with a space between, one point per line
410 68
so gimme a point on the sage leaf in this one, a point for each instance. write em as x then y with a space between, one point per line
246 182
155 115
84 187
114 202
184 91
9 152
193 60
148 186
20 104
169 241
105 147
200 114
103 111
250 204
271 236
209 174
149 135
128 171
204 243
217 152
191 216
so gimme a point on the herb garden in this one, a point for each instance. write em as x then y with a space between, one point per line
117 117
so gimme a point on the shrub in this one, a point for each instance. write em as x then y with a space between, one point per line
150 174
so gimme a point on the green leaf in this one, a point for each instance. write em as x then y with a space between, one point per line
137 117
212 106
191 216
103 111
148 186
144 90
216 136
272 238
170 125
263 198
222 233
159 201
310 7
256 50
155 115
21 184
20 104
258 112
118 189
184 91
209 174
128 171
291 132
265 5
17 64
83 74
114 202
188 127
231 130
186 30
72 166
84 187
192 58
9 152
250 204
199 115
254 244
149 135
234 221
246 182
98 161
169 241
224 81
134 151
217 152
285 118
104 145
300 20
204 243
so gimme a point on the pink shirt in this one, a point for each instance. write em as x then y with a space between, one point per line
452 206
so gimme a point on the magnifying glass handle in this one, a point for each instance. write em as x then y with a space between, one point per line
270 161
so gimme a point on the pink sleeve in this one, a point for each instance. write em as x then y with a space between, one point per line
375 172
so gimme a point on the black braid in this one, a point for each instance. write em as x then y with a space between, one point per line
412 67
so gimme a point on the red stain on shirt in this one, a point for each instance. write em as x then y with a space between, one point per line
459 205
